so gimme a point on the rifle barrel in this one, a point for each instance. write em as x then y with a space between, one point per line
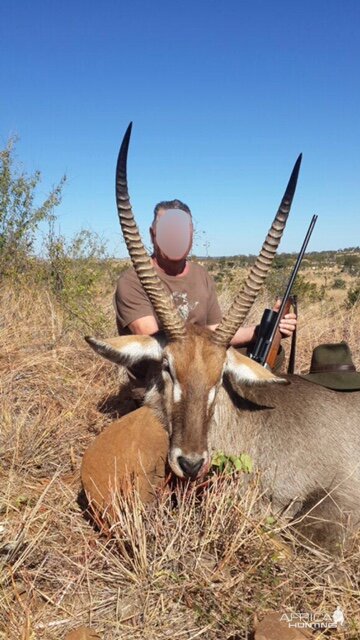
290 284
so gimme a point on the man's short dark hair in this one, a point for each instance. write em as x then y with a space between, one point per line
170 204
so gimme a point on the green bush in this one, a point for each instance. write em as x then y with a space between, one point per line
78 272
351 264
353 296
339 283
19 215
277 281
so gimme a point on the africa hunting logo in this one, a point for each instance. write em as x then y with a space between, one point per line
315 621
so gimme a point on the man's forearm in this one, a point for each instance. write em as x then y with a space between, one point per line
145 326
246 335
242 338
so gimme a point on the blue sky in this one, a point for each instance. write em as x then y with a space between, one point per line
223 97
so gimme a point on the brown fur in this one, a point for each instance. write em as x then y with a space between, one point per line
192 353
131 450
190 417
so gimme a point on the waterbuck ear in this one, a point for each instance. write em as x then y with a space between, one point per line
127 350
247 371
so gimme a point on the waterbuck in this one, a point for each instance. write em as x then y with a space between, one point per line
303 438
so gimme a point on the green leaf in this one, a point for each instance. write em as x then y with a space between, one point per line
230 463
246 462
21 500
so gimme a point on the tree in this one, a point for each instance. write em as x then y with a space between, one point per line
351 263
19 215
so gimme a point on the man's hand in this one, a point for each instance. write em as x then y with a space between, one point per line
288 323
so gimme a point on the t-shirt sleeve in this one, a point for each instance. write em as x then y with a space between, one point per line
130 300
214 315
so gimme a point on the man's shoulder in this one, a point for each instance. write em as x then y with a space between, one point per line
128 277
128 281
196 267
127 274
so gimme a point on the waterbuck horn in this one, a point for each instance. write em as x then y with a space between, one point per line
245 298
164 306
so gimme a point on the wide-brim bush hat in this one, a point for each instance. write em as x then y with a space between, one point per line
332 367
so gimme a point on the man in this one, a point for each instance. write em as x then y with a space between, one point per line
190 285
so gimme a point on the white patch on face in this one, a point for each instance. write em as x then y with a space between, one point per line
206 457
177 392
151 395
170 360
211 397
173 456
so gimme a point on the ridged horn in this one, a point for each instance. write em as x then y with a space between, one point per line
258 272
164 306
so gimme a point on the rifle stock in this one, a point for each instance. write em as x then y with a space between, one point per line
275 345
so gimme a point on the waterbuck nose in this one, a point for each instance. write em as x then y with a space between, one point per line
190 467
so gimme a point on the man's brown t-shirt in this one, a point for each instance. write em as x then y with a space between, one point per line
193 294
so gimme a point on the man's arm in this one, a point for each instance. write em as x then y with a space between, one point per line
145 326
132 306
245 335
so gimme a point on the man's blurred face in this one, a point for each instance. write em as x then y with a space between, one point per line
172 233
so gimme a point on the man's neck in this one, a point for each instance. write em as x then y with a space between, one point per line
170 267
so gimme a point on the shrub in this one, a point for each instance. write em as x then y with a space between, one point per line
351 264
19 216
339 283
77 272
353 296
277 281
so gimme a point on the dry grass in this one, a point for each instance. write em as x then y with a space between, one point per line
199 564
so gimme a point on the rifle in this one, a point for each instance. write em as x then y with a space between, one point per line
268 338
